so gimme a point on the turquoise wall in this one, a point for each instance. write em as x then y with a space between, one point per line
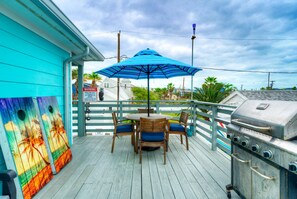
30 65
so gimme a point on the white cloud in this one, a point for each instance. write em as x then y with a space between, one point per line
232 34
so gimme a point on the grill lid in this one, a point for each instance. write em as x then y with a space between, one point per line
275 118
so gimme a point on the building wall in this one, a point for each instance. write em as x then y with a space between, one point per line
30 66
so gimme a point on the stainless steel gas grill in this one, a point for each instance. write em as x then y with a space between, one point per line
263 138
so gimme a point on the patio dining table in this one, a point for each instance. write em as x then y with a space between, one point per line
136 117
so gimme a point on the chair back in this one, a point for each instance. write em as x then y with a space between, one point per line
114 118
153 125
183 118
145 110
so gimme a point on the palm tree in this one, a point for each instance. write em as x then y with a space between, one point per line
210 80
58 130
94 77
170 88
31 142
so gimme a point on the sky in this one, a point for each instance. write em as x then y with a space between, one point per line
253 35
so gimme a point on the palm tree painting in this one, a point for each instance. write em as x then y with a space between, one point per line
55 131
27 146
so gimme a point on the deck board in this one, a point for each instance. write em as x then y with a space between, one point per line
95 172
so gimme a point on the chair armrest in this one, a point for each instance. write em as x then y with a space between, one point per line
7 175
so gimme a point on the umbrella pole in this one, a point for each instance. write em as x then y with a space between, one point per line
148 92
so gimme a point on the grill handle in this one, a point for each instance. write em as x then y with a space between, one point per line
254 169
234 155
250 126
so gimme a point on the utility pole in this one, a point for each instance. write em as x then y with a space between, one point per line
119 59
193 37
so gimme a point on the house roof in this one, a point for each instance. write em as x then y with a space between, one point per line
283 95
47 20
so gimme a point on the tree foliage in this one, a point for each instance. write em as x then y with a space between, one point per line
141 94
212 90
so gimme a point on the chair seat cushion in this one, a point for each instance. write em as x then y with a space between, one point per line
152 137
177 127
125 128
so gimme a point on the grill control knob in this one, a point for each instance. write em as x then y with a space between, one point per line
236 139
255 148
230 136
245 143
267 154
293 166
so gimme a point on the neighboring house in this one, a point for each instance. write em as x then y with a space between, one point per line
110 89
38 43
236 98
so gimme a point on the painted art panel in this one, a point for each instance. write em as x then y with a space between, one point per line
26 144
55 131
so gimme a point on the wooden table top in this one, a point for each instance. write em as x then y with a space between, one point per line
137 116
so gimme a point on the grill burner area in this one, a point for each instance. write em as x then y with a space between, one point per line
263 138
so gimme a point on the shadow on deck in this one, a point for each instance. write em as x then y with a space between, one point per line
96 173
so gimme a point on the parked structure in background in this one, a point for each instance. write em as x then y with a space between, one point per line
236 98
110 89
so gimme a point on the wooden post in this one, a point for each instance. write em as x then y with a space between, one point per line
121 110
214 128
80 104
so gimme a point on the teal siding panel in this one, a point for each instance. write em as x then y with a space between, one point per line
21 75
14 89
16 58
21 32
27 48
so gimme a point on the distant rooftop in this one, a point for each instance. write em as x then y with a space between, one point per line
283 95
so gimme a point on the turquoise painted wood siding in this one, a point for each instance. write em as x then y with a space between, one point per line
30 65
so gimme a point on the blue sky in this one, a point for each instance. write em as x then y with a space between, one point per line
257 35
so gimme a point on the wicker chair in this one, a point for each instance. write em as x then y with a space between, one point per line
122 129
179 128
152 134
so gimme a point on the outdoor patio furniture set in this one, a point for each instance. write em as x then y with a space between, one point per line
150 131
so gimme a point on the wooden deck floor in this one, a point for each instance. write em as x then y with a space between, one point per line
96 173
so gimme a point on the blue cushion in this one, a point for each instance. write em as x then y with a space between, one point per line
125 128
177 127
152 137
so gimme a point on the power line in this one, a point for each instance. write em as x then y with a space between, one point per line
250 71
212 38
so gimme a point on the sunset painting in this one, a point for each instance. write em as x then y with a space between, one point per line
27 146
55 131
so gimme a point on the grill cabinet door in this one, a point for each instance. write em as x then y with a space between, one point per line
241 171
265 181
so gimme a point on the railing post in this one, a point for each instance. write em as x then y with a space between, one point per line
157 106
194 118
81 128
214 128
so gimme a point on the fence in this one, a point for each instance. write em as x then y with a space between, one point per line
207 120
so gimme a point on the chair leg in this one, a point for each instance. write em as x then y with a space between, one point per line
181 139
187 143
167 141
132 140
164 148
113 140
140 154
136 143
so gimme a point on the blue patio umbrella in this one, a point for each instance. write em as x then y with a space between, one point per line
147 64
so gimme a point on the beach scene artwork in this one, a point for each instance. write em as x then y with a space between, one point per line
26 144
55 132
